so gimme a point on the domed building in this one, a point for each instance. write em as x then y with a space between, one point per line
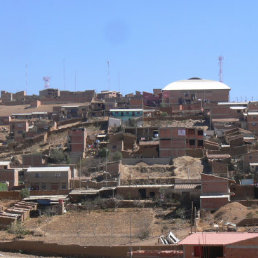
195 90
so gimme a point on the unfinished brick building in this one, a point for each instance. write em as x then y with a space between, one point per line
77 143
215 191
175 141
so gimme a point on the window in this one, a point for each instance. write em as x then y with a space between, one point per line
43 186
192 142
58 174
200 143
37 175
200 132
253 124
63 186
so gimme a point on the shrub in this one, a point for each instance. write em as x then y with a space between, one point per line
18 229
143 233
58 157
25 193
117 156
103 153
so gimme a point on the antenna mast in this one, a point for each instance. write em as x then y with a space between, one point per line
108 75
46 79
220 68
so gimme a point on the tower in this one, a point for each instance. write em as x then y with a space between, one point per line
46 79
220 68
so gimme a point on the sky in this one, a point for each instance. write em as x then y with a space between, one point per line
127 45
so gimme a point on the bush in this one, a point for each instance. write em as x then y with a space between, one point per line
25 193
103 153
18 229
58 157
117 156
143 233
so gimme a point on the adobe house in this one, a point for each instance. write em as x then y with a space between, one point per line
219 163
215 191
220 244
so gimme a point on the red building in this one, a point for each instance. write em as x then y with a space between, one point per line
215 191
175 141
221 244
77 139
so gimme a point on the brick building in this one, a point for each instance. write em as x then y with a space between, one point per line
252 121
8 174
215 192
48 178
175 141
19 129
194 90
77 140
221 244
248 158
49 93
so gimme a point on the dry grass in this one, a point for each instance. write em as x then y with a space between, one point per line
106 227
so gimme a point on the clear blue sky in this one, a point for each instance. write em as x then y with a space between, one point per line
148 43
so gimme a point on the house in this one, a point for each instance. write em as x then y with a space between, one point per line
250 158
19 128
215 191
175 141
48 178
7 174
77 143
221 244
49 93
252 121
219 163
126 114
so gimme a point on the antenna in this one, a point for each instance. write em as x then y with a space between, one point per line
108 75
75 81
64 72
46 79
220 68
26 77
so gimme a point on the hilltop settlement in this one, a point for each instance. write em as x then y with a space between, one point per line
166 173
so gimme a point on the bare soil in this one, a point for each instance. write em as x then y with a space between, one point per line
104 227
183 168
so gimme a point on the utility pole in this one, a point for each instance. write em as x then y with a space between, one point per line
80 172
192 219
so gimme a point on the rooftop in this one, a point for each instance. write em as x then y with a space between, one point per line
196 84
48 169
217 238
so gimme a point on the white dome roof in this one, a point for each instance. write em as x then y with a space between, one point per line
196 84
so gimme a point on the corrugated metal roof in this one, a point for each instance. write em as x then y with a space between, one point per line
4 163
48 169
217 238
199 84
214 196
